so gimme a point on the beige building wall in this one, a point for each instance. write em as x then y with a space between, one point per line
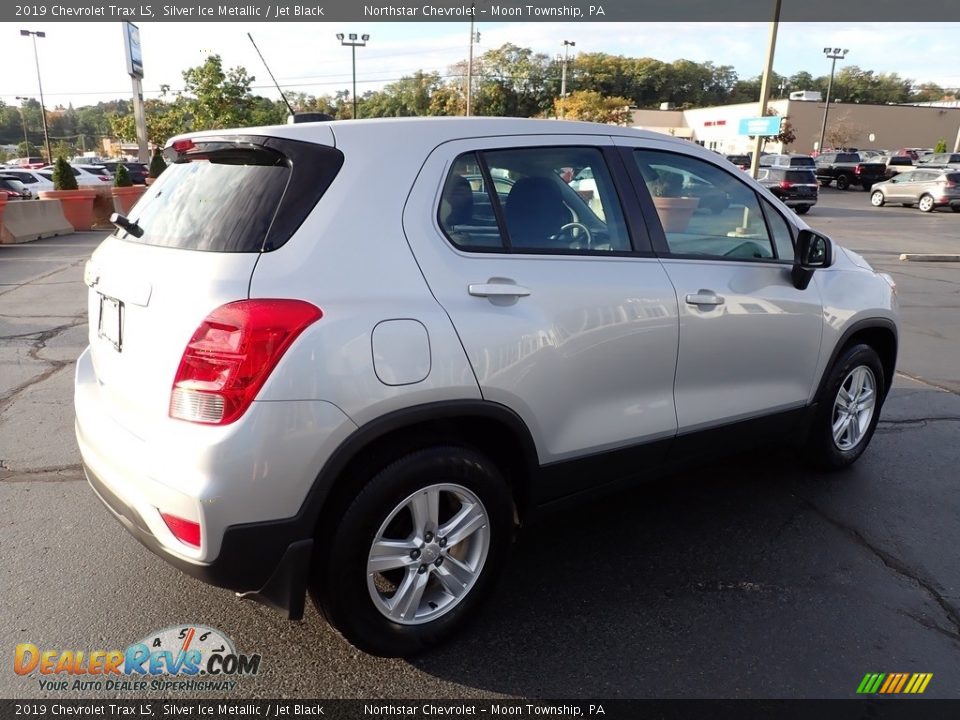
892 126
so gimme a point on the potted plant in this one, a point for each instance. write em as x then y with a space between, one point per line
125 193
674 210
3 205
157 166
77 204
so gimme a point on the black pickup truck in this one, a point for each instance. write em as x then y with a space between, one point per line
848 169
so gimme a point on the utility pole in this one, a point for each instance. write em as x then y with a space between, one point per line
474 37
765 85
43 107
567 44
834 54
23 121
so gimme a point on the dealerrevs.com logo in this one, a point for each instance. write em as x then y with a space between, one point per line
199 657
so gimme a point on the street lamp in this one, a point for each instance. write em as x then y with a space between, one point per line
23 120
43 110
567 44
352 42
833 54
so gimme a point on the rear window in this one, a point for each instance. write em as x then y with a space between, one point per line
802 162
231 194
901 160
847 158
739 159
953 177
800 176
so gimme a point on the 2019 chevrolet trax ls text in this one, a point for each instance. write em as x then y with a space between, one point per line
347 359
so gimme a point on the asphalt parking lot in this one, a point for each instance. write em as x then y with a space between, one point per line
748 578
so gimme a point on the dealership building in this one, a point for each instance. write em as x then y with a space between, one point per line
886 127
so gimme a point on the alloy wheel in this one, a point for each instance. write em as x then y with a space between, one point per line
853 407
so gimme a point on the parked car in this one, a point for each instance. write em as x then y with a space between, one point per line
284 390
897 164
927 189
35 180
795 187
87 175
741 161
951 160
848 169
14 189
793 160
30 163
138 171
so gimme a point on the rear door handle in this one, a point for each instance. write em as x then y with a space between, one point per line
704 297
497 290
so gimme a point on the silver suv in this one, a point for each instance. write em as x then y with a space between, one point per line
322 360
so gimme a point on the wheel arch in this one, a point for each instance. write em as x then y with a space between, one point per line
878 333
489 428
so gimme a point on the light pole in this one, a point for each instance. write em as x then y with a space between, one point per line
833 54
352 42
567 44
474 38
43 109
23 120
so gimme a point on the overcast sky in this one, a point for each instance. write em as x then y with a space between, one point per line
83 63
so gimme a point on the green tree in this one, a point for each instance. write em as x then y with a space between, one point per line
217 98
121 177
63 177
941 146
591 106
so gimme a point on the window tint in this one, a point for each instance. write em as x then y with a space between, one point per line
847 158
953 177
703 209
466 214
780 229
800 176
551 198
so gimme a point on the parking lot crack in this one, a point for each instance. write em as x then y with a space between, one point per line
42 337
58 473
899 567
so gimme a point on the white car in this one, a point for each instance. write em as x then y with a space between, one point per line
87 175
318 362
34 180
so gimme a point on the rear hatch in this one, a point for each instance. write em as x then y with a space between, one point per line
190 246
800 183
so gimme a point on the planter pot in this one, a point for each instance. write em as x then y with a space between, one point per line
675 212
3 205
125 198
77 206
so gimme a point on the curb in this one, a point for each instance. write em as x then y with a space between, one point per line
927 257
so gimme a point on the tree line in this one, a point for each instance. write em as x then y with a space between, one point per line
507 81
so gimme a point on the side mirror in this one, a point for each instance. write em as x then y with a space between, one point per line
813 251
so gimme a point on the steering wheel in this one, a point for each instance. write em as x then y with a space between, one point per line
568 230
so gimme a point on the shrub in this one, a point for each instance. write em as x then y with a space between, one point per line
941 146
157 165
122 177
63 177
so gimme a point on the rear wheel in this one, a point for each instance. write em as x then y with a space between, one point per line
926 204
802 209
877 199
955 208
848 409
843 182
416 552
825 183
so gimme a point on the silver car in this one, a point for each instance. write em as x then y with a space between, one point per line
322 360
928 189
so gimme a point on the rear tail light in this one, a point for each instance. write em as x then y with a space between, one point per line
231 355
186 531
183 145
786 185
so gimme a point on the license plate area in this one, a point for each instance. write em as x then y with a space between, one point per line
110 324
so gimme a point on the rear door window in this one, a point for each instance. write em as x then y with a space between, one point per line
801 177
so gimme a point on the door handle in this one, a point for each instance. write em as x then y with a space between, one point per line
704 297
497 290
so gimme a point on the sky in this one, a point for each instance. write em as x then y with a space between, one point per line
83 63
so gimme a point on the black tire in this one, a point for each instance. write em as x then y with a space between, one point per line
825 183
955 208
822 450
802 209
843 182
339 583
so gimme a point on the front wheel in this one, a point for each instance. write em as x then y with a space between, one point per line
848 409
926 204
416 552
877 199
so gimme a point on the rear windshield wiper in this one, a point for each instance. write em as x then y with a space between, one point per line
123 223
